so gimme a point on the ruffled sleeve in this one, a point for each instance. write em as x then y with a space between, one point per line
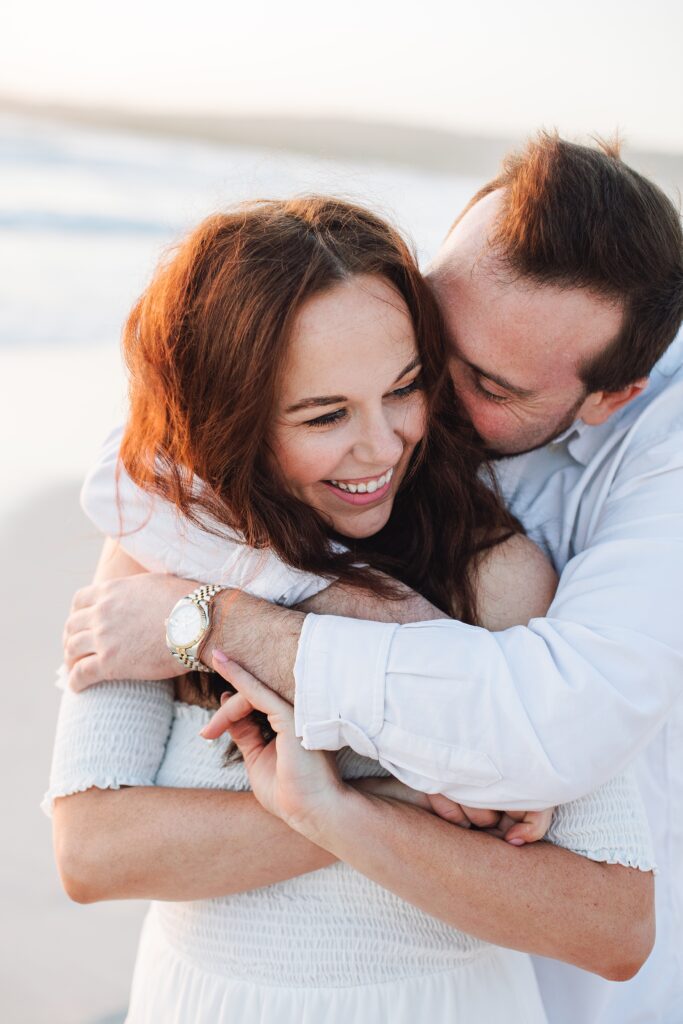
609 825
160 538
110 735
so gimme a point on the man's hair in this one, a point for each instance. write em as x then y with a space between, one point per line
578 217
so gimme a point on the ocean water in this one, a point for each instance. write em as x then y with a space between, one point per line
85 214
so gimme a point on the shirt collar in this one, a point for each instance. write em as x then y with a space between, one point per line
585 441
581 440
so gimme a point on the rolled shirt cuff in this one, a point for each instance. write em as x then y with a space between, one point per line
340 674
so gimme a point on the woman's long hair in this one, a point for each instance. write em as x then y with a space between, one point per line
205 346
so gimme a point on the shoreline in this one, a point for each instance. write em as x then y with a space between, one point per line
435 150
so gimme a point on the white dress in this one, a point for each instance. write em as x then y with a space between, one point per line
328 947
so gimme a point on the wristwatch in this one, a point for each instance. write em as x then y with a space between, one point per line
188 625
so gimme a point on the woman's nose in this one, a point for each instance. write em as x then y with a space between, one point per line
379 445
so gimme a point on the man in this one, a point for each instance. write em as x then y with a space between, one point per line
561 286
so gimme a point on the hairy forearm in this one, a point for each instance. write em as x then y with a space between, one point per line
263 637
174 844
354 603
538 898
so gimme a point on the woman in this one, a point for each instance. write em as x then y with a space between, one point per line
288 382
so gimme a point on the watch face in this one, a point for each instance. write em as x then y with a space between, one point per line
185 625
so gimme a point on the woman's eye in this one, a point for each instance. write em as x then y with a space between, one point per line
414 385
327 419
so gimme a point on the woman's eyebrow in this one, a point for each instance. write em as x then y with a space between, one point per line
310 403
411 366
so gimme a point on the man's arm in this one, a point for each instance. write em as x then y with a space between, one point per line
265 637
529 716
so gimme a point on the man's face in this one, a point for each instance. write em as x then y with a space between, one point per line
516 347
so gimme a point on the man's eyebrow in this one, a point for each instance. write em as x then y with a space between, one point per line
500 381
311 403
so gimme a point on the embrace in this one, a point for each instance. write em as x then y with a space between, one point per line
377 691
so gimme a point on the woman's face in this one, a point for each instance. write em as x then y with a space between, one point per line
350 409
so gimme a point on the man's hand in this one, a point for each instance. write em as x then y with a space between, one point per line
116 629
515 827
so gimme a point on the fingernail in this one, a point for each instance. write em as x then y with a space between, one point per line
516 842
221 658
225 696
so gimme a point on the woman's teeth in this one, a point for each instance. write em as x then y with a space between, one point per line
368 487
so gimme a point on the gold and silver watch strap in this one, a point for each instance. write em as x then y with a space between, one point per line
193 663
201 598
205 592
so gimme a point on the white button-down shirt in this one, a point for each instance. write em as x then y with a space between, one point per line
535 716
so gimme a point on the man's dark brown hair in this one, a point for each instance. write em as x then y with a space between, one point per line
578 217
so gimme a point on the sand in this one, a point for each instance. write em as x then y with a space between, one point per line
59 962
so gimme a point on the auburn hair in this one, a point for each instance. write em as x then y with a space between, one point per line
578 217
205 346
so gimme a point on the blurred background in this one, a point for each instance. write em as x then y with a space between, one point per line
121 126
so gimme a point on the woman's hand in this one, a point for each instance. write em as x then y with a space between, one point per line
299 786
515 827
115 629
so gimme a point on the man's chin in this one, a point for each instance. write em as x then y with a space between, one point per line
509 453
522 446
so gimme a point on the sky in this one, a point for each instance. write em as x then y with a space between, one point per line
492 67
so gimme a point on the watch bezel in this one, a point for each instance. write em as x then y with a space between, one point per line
202 632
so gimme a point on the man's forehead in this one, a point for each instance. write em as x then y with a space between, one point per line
529 333
470 236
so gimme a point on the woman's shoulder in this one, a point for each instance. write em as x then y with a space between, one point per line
514 582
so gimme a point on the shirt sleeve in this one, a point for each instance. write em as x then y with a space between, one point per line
111 735
532 716
154 533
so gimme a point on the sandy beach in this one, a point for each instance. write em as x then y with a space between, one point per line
60 962
64 963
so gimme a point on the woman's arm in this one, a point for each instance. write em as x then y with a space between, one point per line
145 842
540 899
173 844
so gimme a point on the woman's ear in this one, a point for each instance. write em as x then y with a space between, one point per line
600 405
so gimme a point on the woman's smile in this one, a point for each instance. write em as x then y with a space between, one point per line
352 408
364 490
